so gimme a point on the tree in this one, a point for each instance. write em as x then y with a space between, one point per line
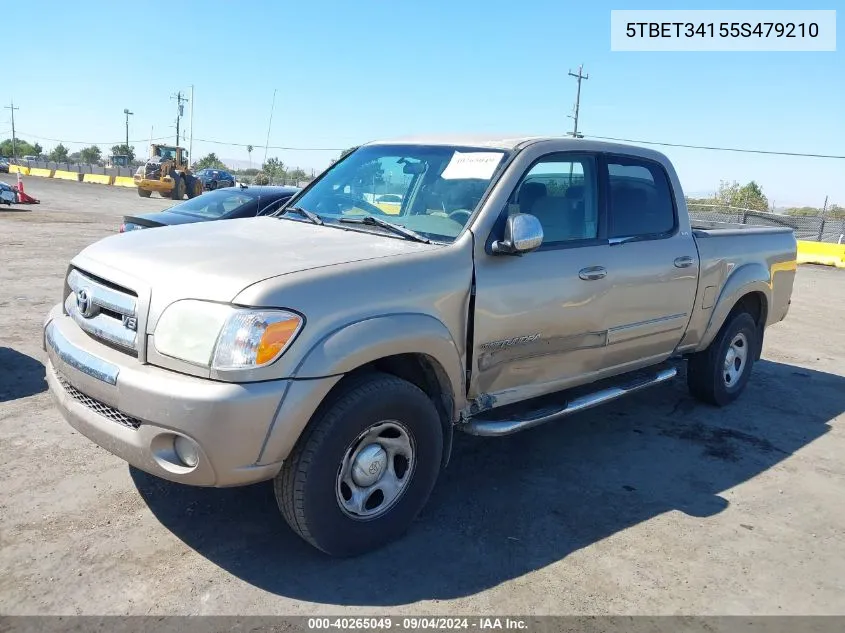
209 161
297 175
249 149
835 211
749 196
90 155
59 154
124 150
274 169
261 179
21 147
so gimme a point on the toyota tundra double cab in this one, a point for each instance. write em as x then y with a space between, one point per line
334 348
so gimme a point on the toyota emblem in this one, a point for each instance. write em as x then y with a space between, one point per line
84 303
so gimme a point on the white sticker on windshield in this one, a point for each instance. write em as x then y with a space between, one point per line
471 165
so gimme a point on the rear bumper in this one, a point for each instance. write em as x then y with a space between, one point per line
136 411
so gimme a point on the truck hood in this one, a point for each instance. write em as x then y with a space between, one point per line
217 260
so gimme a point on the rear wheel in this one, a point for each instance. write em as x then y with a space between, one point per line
719 374
363 468
144 193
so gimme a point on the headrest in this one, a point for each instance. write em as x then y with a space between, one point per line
530 191
575 191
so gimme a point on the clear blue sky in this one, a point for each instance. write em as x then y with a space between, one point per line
348 72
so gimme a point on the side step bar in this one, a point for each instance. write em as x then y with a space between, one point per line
495 428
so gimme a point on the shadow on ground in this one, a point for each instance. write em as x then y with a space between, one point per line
20 375
508 506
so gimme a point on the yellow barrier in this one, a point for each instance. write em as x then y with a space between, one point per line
124 181
19 169
821 253
44 173
67 175
99 179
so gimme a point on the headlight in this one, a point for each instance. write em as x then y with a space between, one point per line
224 337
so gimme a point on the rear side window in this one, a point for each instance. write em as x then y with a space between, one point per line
639 200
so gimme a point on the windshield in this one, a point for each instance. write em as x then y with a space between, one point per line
213 204
429 189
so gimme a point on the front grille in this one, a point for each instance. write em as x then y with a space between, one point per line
104 310
98 407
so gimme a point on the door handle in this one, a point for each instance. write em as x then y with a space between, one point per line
592 273
683 262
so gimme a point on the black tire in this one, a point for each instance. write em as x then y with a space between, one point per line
189 186
306 487
178 191
144 193
212 185
706 373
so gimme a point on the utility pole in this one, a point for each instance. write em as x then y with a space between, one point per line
269 125
128 114
14 140
191 143
579 77
180 111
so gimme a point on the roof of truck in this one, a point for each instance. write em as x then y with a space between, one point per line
511 142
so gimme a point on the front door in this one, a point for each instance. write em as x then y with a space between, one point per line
538 324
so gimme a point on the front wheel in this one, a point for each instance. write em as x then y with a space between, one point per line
178 191
144 193
718 374
364 467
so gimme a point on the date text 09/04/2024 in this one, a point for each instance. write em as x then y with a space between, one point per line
417 623
721 29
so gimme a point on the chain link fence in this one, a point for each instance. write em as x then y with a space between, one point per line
806 227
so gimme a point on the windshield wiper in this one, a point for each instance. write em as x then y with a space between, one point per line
310 215
395 228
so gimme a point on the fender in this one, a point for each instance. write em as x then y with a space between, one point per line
368 340
752 277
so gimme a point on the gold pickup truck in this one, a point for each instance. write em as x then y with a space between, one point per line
334 347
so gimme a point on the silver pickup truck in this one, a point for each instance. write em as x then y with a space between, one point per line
335 346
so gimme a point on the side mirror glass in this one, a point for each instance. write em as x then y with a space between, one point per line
523 233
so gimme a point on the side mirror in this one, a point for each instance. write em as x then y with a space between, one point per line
523 233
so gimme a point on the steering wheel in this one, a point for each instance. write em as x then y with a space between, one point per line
460 215
340 200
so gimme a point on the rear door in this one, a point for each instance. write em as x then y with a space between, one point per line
651 264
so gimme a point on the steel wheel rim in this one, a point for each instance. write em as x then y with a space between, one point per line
735 360
375 471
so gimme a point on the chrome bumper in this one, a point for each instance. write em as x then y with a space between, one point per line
135 411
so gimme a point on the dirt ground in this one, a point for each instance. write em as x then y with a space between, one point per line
653 505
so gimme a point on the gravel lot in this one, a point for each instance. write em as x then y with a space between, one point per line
653 505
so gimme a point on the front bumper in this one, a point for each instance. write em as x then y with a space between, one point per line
135 411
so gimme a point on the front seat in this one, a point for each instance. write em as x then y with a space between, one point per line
529 193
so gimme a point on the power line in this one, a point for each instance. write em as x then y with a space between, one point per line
340 149
717 149
62 140
300 149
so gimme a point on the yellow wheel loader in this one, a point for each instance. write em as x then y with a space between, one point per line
168 172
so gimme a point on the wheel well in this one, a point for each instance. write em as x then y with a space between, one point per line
426 373
754 303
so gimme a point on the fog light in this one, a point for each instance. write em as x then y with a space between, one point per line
186 451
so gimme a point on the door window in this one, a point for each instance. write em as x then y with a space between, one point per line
560 191
640 199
